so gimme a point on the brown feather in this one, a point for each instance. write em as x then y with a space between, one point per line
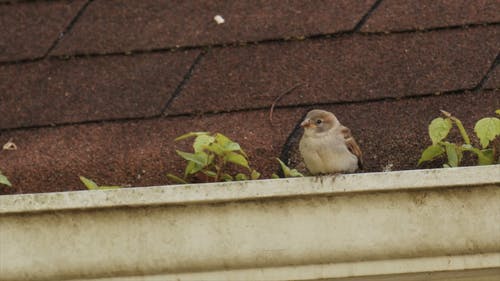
352 145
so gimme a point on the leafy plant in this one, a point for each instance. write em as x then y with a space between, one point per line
4 180
287 172
486 129
211 158
91 185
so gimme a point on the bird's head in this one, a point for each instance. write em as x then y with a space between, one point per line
319 121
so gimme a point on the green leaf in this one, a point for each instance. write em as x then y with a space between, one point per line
467 147
497 111
215 148
209 173
460 154
241 177
199 158
176 179
274 176
484 157
191 134
221 139
287 172
226 177
430 153
231 146
227 144
90 184
202 142
4 180
189 168
452 153
294 173
439 129
192 168
210 159
284 168
487 129
254 175
237 159
244 153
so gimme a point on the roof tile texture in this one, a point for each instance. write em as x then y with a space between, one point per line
110 98
137 153
125 25
140 153
494 79
396 15
349 68
85 89
28 30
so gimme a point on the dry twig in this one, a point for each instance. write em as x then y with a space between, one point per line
278 98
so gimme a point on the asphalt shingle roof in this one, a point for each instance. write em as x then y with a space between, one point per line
101 88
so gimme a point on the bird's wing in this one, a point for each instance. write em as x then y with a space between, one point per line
352 145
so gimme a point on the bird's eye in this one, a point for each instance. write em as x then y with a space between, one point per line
319 121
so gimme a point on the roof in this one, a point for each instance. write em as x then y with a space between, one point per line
101 88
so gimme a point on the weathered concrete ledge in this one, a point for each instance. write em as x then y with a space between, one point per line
406 225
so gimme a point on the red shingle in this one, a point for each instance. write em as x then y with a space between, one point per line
141 153
494 79
135 153
351 74
117 26
83 89
29 29
350 68
394 15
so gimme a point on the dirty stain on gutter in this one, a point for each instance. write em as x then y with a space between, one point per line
390 226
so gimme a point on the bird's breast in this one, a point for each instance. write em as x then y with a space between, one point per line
327 154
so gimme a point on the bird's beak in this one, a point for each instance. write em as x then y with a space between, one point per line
306 124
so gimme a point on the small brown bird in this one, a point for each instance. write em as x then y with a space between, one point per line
326 146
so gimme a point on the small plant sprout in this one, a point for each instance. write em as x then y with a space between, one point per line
287 172
91 185
4 180
487 130
213 154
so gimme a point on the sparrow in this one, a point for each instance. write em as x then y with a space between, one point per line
327 146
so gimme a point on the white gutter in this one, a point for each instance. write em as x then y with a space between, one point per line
441 223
